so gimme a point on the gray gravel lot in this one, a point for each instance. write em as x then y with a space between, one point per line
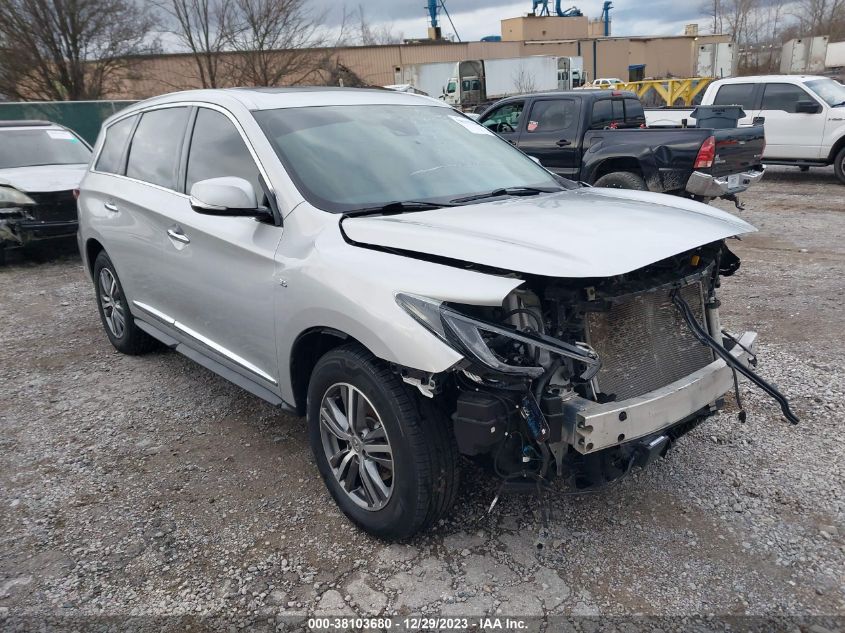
149 486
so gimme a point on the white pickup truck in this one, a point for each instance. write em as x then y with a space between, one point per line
803 115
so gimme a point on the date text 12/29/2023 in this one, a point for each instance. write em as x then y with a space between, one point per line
414 623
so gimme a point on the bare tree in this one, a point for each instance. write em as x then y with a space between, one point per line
203 27
369 35
820 17
524 82
70 49
279 42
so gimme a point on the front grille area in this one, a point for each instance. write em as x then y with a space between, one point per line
55 206
644 343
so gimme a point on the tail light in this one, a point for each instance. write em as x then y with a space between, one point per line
76 194
706 154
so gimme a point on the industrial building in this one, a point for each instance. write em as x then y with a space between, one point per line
628 58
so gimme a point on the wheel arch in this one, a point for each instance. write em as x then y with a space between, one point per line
613 164
307 349
92 248
837 147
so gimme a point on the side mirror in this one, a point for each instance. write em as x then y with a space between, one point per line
808 107
228 196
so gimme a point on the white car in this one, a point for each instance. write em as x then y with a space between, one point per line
41 163
412 284
606 83
803 116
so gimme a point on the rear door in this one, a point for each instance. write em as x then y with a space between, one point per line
551 134
133 203
220 269
744 94
791 134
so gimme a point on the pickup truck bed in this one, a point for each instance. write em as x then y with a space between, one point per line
599 137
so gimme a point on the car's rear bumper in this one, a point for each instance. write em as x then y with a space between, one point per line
709 186
599 426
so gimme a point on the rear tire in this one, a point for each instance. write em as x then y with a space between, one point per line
419 484
113 306
839 165
622 180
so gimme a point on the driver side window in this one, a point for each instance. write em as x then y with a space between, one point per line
218 150
505 118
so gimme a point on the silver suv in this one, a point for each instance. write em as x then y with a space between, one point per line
413 285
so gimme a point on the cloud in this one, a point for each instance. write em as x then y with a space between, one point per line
474 19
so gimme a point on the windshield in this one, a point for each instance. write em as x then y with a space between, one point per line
344 158
831 91
30 148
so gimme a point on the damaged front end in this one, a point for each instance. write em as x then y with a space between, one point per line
586 378
26 217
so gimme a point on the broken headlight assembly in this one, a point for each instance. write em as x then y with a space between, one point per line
12 198
498 348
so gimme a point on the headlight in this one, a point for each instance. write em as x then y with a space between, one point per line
10 197
466 335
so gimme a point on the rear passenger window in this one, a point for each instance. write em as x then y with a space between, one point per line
783 97
218 150
154 152
116 137
634 113
605 112
736 94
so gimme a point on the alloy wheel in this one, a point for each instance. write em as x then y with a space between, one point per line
110 301
356 446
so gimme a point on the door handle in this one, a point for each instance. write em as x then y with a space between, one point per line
111 206
563 142
176 234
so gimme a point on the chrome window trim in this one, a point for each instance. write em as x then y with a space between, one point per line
185 104
206 341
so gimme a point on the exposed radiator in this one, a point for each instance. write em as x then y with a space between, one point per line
644 343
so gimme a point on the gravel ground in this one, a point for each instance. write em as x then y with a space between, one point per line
149 486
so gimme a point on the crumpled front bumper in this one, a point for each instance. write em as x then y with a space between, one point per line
707 186
598 426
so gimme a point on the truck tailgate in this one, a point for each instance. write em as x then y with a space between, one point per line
738 149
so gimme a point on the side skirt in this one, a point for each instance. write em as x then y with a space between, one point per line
212 365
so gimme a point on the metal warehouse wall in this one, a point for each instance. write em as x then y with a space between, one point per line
673 56
83 117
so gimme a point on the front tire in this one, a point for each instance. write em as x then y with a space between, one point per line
389 461
113 306
622 180
839 165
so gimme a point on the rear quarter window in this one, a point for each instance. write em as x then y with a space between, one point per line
110 157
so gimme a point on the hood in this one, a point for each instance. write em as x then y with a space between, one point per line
43 178
589 232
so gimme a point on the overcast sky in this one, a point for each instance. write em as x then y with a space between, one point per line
476 18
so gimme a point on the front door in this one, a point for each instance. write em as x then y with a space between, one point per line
221 268
551 135
504 120
789 133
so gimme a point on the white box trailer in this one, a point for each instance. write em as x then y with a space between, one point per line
716 60
803 55
428 78
835 55
517 75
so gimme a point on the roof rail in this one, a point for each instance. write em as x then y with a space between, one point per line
25 122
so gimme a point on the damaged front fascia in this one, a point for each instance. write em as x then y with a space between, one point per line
9 220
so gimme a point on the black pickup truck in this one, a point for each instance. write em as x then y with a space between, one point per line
599 137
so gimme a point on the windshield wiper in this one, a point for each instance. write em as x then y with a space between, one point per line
399 207
506 191
836 105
